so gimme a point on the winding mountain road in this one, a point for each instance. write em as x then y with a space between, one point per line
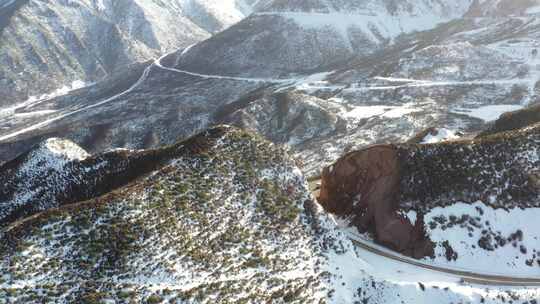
206 76
144 76
285 82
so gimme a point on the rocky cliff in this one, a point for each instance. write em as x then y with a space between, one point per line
379 185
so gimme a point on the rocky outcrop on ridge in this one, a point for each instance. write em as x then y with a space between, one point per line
376 186
366 185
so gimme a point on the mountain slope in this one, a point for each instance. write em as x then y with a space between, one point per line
302 36
459 76
58 172
232 221
46 45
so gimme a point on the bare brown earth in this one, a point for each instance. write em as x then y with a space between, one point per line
376 186
366 184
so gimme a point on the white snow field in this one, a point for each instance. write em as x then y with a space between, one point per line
397 279
518 256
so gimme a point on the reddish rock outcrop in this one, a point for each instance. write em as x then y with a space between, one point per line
366 185
375 186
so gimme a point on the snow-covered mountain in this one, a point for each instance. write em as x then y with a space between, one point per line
180 210
229 218
457 76
46 45
305 35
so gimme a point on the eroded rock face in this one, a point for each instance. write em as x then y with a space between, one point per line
376 186
365 184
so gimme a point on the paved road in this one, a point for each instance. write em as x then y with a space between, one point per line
207 76
465 276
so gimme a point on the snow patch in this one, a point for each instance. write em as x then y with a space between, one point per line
533 10
361 112
490 112
442 135
34 100
101 5
511 258
54 153
377 23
